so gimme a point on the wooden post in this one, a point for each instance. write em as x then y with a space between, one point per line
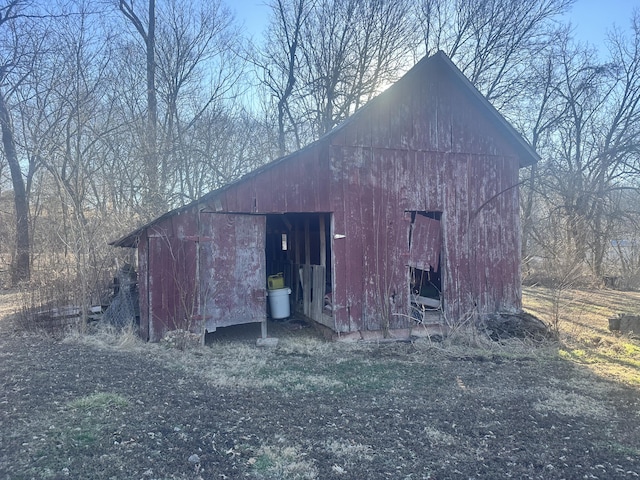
306 277
263 328
296 269
323 242
307 243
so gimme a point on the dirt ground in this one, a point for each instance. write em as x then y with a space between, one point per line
109 407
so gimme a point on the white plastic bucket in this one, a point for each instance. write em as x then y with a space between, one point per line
279 302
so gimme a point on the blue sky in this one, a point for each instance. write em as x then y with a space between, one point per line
591 18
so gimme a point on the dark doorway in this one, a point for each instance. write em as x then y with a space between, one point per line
298 246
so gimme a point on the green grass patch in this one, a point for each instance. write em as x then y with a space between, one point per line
620 449
263 464
338 374
83 437
629 349
282 463
102 401
577 355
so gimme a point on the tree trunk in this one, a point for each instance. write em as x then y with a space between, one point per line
20 268
155 190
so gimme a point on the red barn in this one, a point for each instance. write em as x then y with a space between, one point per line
405 214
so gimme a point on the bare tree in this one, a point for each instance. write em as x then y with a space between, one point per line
592 119
279 62
18 48
352 50
326 58
199 71
542 100
144 23
62 117
618 151
491 41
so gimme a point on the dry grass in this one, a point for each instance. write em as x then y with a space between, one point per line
582 321
350 450
242 364
437 437
233 363
100 401
106 336
584 339
9 306
584 329
571 404
281 463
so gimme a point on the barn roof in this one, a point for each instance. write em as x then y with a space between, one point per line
527 155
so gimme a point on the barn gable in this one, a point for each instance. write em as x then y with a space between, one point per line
434 108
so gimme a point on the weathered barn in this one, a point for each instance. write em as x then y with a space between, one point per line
410 205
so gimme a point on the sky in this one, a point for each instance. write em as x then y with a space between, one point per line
591 18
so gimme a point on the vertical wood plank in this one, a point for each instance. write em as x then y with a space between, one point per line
306 290
318 292
307 243
323 242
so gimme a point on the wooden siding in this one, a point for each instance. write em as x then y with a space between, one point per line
143 284
426 243
225 287
478 198
431 150
171 283
232 269
427 111
297 184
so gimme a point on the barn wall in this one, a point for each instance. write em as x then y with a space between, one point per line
372 191
169 294
494 222
299 183
143 284
431 150
428 110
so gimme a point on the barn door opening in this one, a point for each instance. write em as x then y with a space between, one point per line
231 269
425 272
298 245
